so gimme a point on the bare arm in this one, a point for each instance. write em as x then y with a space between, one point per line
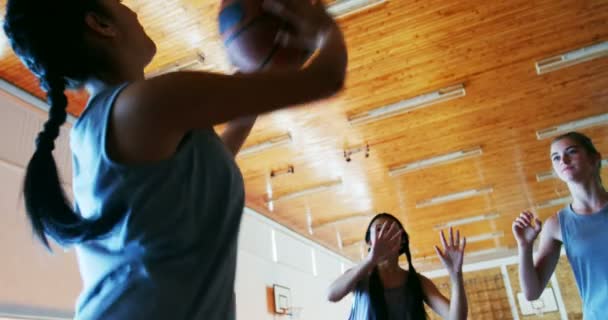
534 276
346 283
236 133
151 116
454 309
385 244
452 258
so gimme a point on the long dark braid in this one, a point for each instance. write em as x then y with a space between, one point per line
48 37
413 287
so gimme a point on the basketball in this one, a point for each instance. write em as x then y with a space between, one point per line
249 32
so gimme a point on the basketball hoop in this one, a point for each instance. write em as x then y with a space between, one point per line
292 312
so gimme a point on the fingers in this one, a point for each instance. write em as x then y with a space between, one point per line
539 225
443 242
439 252
451 242
523 222
395 236
525 219
464 244
383 229
457 237
519 224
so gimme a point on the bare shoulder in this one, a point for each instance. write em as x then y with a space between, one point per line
552 227
427 284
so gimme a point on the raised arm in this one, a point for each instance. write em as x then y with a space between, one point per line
452 258
534 275
151 116
386 244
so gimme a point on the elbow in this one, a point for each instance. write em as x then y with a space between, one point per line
531 296
332 296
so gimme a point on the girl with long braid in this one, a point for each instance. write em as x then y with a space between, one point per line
158 195
384 291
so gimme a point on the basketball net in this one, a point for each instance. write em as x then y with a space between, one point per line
538 306
292 313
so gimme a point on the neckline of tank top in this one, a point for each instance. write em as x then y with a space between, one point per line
603 210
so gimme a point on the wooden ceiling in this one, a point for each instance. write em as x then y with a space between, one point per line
396 51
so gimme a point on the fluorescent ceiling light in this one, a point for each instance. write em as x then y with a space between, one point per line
598 120
542 176
410 104
350 244
309 221
438 160
354 217
305 192
467 220
453 197
268 144
554 202
192 63
486 252
485 236
573 57
342 8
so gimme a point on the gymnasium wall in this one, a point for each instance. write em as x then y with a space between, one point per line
488 290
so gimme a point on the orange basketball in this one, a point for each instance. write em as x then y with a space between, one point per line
249 35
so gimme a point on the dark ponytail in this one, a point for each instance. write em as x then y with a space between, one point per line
413 287
48 37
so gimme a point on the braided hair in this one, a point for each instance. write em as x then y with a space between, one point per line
48 37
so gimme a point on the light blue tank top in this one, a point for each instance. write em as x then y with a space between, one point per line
173 256
585 238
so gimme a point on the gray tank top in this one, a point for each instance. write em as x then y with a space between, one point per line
395 298
585 238
173 255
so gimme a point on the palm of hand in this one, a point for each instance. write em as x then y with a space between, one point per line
386 243
453 252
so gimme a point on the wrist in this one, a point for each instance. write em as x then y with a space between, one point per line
369 261
456 277
525 247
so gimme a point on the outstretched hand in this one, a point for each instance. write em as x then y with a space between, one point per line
453 252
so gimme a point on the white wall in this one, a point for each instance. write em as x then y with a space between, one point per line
287 261
34 282
31 280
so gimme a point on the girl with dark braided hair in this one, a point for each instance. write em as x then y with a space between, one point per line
158 195
384 291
